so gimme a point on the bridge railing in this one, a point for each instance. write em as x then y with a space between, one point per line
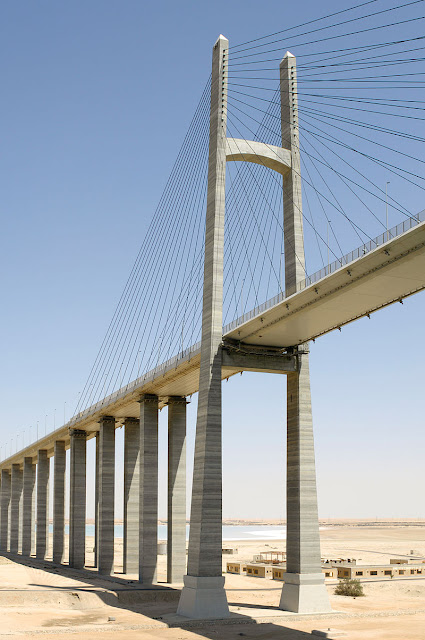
139 382
389 234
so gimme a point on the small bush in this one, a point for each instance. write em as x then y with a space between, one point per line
347 587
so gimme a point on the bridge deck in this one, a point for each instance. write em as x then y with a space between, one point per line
383 275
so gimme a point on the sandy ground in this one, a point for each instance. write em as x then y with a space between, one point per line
43 599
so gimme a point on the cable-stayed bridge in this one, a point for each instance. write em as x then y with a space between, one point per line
186 287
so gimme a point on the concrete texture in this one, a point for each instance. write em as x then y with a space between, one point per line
4 509
59 500
96 503
16 509
176 518
28 507
42 531
205 542
292 200
105 554
77 499
304 590
131 495
148 496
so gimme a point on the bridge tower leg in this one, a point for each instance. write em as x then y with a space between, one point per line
203 595
304 589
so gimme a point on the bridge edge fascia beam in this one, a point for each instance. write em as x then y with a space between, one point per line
276 158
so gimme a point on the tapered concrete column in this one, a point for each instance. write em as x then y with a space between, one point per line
203 595
292 187
42 531
4 508
59 501
16 509
77 501
304 588
131 494
28 508
148 489
106 495
96 502
176 520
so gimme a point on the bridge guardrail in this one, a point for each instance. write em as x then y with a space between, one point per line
389 234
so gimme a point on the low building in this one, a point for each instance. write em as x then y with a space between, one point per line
255 570
329 571
380 571
278 572
338 561
235 567
407 561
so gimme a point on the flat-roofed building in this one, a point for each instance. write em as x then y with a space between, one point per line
235 567
381 571
259 570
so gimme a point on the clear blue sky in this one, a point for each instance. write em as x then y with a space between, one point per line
90 127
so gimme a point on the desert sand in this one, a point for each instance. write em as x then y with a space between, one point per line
40 598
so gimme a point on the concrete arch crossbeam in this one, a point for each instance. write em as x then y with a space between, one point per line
267 155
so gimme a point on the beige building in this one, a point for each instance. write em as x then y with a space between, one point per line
255 570
235 567
381 571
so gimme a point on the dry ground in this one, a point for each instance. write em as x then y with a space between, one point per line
41 599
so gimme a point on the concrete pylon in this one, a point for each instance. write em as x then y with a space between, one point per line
4 509
148 496
176 519
96 503
77 499
28 508
131 495
203 595
16 509
304 588
42 531
59 465
105 554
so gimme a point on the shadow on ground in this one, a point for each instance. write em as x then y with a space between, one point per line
156 605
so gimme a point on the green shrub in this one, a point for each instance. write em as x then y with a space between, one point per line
347 587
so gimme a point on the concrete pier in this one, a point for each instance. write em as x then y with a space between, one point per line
96 502
304 588
77 501
42 531
203 595
148 495
4 509
176 520
16 509
59 501
131 495
105 554
28 508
